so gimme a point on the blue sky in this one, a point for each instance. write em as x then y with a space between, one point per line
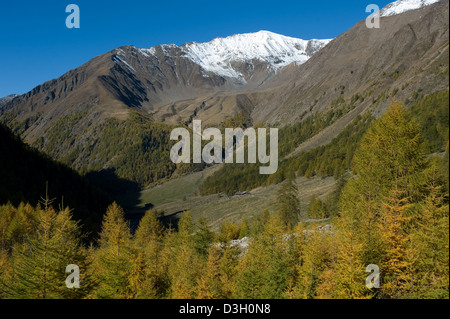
36 46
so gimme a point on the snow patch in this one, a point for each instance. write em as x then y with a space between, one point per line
116 58
147 52
401 6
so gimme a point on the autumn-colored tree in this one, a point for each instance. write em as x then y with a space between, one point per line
38 263
149 277
203 237
228 270
244 228
431 242
390 157
263 272
391 153
315 258
113 260
209 284
346 277
184 267
259 223
149 229
5 270
228 231
16 224
396 266
317 208
289 204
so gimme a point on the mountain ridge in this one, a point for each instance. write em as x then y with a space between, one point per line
357 72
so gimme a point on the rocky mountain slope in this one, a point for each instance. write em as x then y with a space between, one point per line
146 79
7 99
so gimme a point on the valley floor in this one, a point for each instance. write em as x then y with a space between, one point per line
181 194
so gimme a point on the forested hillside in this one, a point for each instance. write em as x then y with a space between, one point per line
27 174
136 149
335 158
393 212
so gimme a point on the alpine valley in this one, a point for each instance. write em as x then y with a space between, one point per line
104 128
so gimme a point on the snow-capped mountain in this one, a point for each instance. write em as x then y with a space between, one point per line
219 55
157 79
175 84
401 6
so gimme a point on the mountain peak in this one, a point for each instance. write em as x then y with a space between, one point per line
401 6
277 50
219 55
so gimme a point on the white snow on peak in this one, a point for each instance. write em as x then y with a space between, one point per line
120 58
217 55
401 6
277 50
